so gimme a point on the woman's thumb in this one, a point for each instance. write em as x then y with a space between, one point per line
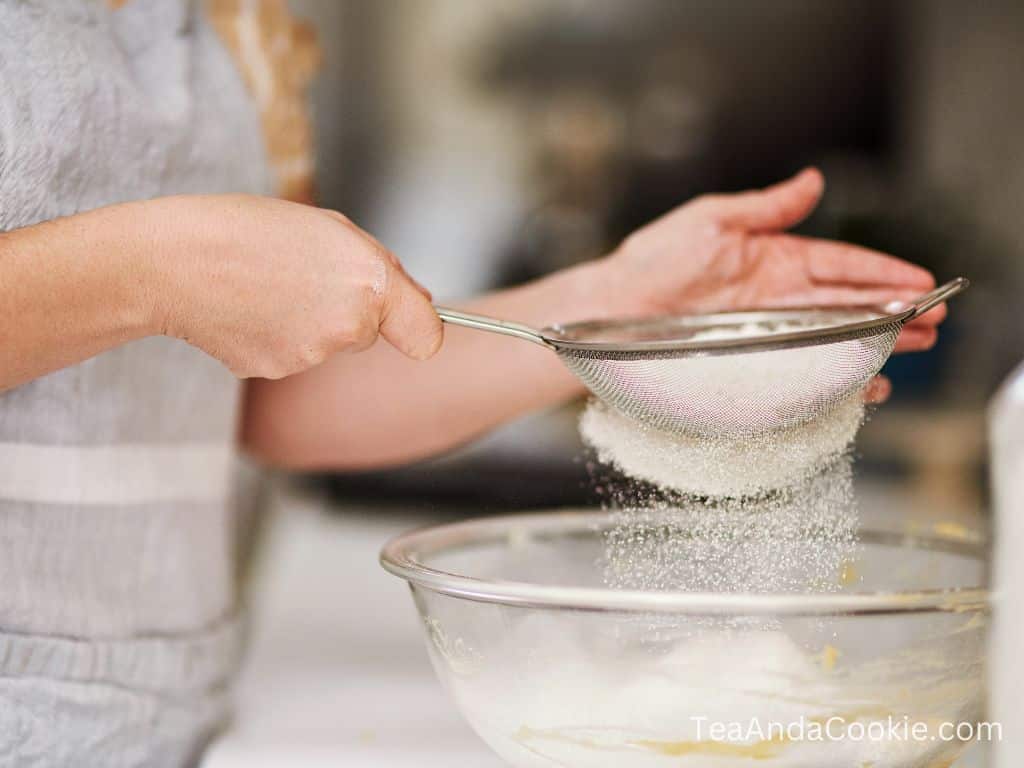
408 320
773 208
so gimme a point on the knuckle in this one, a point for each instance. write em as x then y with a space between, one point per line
366 334
240 371
356 333
389 258
383 261
241 366
274 373
632 242
375 289
312 356
283 360
276 370
338 216
372 278
363 345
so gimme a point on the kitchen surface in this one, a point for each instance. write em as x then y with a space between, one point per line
338 674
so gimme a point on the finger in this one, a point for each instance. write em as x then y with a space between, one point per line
877 390
832 263
401 268
405 273
913 339
393 260
774 208
867 298
918 335
419 286
931 318
408 320
829 296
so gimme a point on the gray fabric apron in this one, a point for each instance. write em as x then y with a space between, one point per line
118 602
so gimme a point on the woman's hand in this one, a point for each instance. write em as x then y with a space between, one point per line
272 288
731 252
715 253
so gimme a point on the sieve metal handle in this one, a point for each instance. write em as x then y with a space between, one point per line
932 299
483 323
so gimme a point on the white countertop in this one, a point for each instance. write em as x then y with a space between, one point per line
338 672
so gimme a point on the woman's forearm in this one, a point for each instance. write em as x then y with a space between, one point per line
69 289
226 273
714 253
378 409
75 287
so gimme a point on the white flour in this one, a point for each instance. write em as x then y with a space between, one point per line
795 540
569 695
747 392
772 512
720 466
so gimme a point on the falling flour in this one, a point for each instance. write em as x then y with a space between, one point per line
796 539
768 513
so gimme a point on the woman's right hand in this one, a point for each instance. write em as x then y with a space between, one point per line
271 288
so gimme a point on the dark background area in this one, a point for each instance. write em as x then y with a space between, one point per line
488 143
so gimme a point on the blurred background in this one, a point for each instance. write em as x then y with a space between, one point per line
489 143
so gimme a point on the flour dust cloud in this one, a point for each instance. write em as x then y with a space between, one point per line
771 514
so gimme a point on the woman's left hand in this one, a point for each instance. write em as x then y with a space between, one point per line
732 252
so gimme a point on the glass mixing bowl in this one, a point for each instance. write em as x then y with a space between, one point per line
551 668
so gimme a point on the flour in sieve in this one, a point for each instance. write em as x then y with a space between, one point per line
721 466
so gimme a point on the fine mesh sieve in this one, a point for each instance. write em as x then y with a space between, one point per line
733 374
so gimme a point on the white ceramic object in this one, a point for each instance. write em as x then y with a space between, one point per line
1006 430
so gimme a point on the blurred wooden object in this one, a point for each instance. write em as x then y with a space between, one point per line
943 450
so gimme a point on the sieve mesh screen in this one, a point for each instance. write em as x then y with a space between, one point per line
736 394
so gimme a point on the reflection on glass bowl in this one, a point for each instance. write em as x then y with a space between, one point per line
551 668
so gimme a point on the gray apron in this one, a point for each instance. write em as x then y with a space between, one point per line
118 599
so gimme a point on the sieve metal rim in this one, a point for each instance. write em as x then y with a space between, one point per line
402 557
554 335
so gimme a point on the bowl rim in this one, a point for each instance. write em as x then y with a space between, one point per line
402 557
